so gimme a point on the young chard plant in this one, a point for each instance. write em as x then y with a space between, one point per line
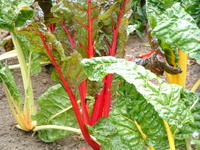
17 17
13 15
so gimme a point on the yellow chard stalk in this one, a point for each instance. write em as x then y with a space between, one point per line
179 79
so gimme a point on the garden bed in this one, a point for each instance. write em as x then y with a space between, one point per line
13 139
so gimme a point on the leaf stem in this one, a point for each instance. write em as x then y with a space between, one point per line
56 127
188 144
72 98
21 59
85 108
45 127
70 37
90 31
116 29
29 106
8 55
144 136
180 79
195 86
17 66
170 136
104 97
59 113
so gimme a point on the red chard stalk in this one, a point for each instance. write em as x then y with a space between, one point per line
103 100
70 37
72 98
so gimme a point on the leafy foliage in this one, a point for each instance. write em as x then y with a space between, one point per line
192 101
159 100
14 13
192 7
174 27
73 71
165 98
133 123
7 78
104 15
32 51
52 102
138 18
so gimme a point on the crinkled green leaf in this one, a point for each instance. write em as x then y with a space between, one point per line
8 80
23 16
106 133
165 98
14 13
69 11
121 130
192 101
157 7
32 50
193 8
53 101
176 28
73 70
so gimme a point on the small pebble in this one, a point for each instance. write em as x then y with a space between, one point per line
44 81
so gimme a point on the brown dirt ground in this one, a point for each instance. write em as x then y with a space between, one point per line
14 139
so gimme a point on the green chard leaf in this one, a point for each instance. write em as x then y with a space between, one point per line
8 80
152 102
175 28
192 7
165 98
133 124
31 49
51 103
106 133
72 70
14 13
75 18
192 101
23 16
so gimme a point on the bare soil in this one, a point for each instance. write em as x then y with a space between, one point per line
12 138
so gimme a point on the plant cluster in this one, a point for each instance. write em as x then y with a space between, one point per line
113 103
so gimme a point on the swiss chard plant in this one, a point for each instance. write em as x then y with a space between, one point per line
13 15
115 104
